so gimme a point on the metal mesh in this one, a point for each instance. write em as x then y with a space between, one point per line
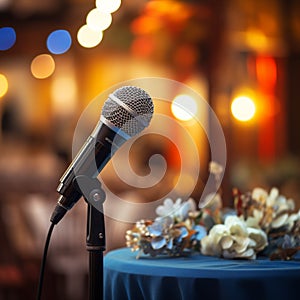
136 117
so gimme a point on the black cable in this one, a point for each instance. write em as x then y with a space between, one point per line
43 264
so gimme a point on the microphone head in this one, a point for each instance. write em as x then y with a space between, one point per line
128 109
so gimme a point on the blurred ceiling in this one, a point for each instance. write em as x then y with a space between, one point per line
36 19
24 9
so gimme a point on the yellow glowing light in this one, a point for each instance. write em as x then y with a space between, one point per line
256 39
64 103
184 107
243 108
42 66
98 20
3 85
109 6
89 38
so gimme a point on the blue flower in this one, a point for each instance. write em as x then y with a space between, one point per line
201 232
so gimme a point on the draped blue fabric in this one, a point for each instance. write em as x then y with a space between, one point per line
198 277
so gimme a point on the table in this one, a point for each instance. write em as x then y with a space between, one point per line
198 277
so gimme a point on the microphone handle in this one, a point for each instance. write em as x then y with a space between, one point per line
90 160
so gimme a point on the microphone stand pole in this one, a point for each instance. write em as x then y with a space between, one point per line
95 238
95 245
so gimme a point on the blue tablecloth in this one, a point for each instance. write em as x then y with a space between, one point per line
198 277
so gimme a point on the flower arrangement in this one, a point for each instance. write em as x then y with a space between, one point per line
261 223
275 215
175 231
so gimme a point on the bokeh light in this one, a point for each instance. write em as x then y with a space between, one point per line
184 107
142 46
256 39
7 38
98 20
109 6
3 85
64 103
89 38
59 41
145 25
42 66
266 71
243 108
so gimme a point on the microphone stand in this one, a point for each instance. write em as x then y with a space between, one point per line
95 245
95 238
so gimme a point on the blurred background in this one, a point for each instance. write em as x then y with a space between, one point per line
241 56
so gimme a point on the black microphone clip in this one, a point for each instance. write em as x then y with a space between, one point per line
90 189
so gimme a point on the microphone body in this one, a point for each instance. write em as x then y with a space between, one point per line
90 160
126 113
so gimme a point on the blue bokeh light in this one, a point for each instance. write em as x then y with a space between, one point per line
7 38
59 41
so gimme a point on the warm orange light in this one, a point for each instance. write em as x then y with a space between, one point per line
266 71
174 9
256 39
243 108
142 46
184 107
186 56
42 66
64 103
3 85
145 25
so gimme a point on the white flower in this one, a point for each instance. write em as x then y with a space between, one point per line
210 244
280 221
253 221
241 244
236 226
273 195
259 195
259 237
176 209
168 208
226 242
185 208
233 240
273 211
292 219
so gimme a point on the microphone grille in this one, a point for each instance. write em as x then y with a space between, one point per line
129 108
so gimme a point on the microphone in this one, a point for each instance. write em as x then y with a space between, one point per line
125 113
